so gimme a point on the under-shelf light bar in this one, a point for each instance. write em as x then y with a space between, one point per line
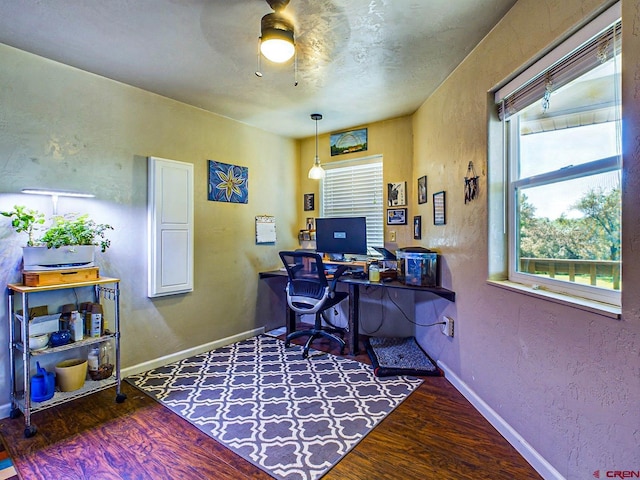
55 194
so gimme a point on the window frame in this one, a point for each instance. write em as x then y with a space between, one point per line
594 167
503 197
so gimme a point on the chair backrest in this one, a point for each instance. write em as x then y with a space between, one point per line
308 286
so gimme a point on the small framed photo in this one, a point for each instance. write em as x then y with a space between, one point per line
417 227
422 189
396 194
309 202
311 223
397 216
439 217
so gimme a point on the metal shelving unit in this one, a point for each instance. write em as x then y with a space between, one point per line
21 394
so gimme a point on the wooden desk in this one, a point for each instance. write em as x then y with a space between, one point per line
354 285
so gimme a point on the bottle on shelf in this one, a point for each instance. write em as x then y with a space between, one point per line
85 313
77 326
93 361
106 353
101 361
96 320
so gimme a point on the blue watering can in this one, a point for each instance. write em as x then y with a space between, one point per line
42 385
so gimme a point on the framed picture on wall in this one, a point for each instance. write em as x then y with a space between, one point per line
439 217
417 227
309 202
422 189
348 142
397 194
397 216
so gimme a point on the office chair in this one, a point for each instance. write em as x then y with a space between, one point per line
309 292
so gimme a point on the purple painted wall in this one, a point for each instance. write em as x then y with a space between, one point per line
567 380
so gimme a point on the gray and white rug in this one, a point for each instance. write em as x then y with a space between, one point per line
291 417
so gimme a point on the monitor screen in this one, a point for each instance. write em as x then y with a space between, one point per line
342 235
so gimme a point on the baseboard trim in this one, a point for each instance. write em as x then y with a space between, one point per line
537 461
190 352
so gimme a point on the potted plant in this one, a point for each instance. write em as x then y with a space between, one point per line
25 220
69 241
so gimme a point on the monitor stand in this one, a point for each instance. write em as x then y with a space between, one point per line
336 257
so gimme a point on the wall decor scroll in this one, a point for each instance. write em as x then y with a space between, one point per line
417 227
470 184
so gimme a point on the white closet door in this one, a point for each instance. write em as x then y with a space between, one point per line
170 212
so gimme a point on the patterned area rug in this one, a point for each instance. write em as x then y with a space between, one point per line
291 417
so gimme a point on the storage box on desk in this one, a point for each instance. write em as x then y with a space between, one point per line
57 277
417 266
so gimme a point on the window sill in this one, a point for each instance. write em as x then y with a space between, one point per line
591 306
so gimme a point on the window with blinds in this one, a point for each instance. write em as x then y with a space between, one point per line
354 189
562 137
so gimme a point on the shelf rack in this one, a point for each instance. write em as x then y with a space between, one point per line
21 397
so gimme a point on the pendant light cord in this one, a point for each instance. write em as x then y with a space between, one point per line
316 161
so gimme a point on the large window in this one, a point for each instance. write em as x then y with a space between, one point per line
562 137
354 189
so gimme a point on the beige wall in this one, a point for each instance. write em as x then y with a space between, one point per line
393 140
64 128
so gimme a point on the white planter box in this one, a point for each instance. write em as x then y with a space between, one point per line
43 258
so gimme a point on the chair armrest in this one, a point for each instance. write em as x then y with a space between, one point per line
339 271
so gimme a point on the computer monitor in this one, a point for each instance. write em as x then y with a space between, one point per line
340 235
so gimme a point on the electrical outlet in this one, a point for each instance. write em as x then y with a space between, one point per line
392 236
447 328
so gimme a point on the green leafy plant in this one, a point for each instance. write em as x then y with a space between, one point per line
24 219
72 230
65 230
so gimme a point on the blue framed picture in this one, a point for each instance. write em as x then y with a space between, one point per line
228 183
349 142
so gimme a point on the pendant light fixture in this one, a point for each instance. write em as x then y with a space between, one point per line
316 172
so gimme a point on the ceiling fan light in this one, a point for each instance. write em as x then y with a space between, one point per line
276 40
277 50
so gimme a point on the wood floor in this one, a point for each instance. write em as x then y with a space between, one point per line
435 433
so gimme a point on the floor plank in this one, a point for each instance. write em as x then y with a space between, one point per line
435 433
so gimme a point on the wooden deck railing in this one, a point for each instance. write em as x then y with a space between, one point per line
557 266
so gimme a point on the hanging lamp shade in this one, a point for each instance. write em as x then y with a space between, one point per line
316 172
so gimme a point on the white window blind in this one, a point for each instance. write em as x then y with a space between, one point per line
354 189
586 49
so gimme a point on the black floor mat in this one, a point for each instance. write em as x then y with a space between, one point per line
399 356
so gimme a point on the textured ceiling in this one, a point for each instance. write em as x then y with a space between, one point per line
359 61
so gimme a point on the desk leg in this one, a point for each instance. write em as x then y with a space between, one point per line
354 317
